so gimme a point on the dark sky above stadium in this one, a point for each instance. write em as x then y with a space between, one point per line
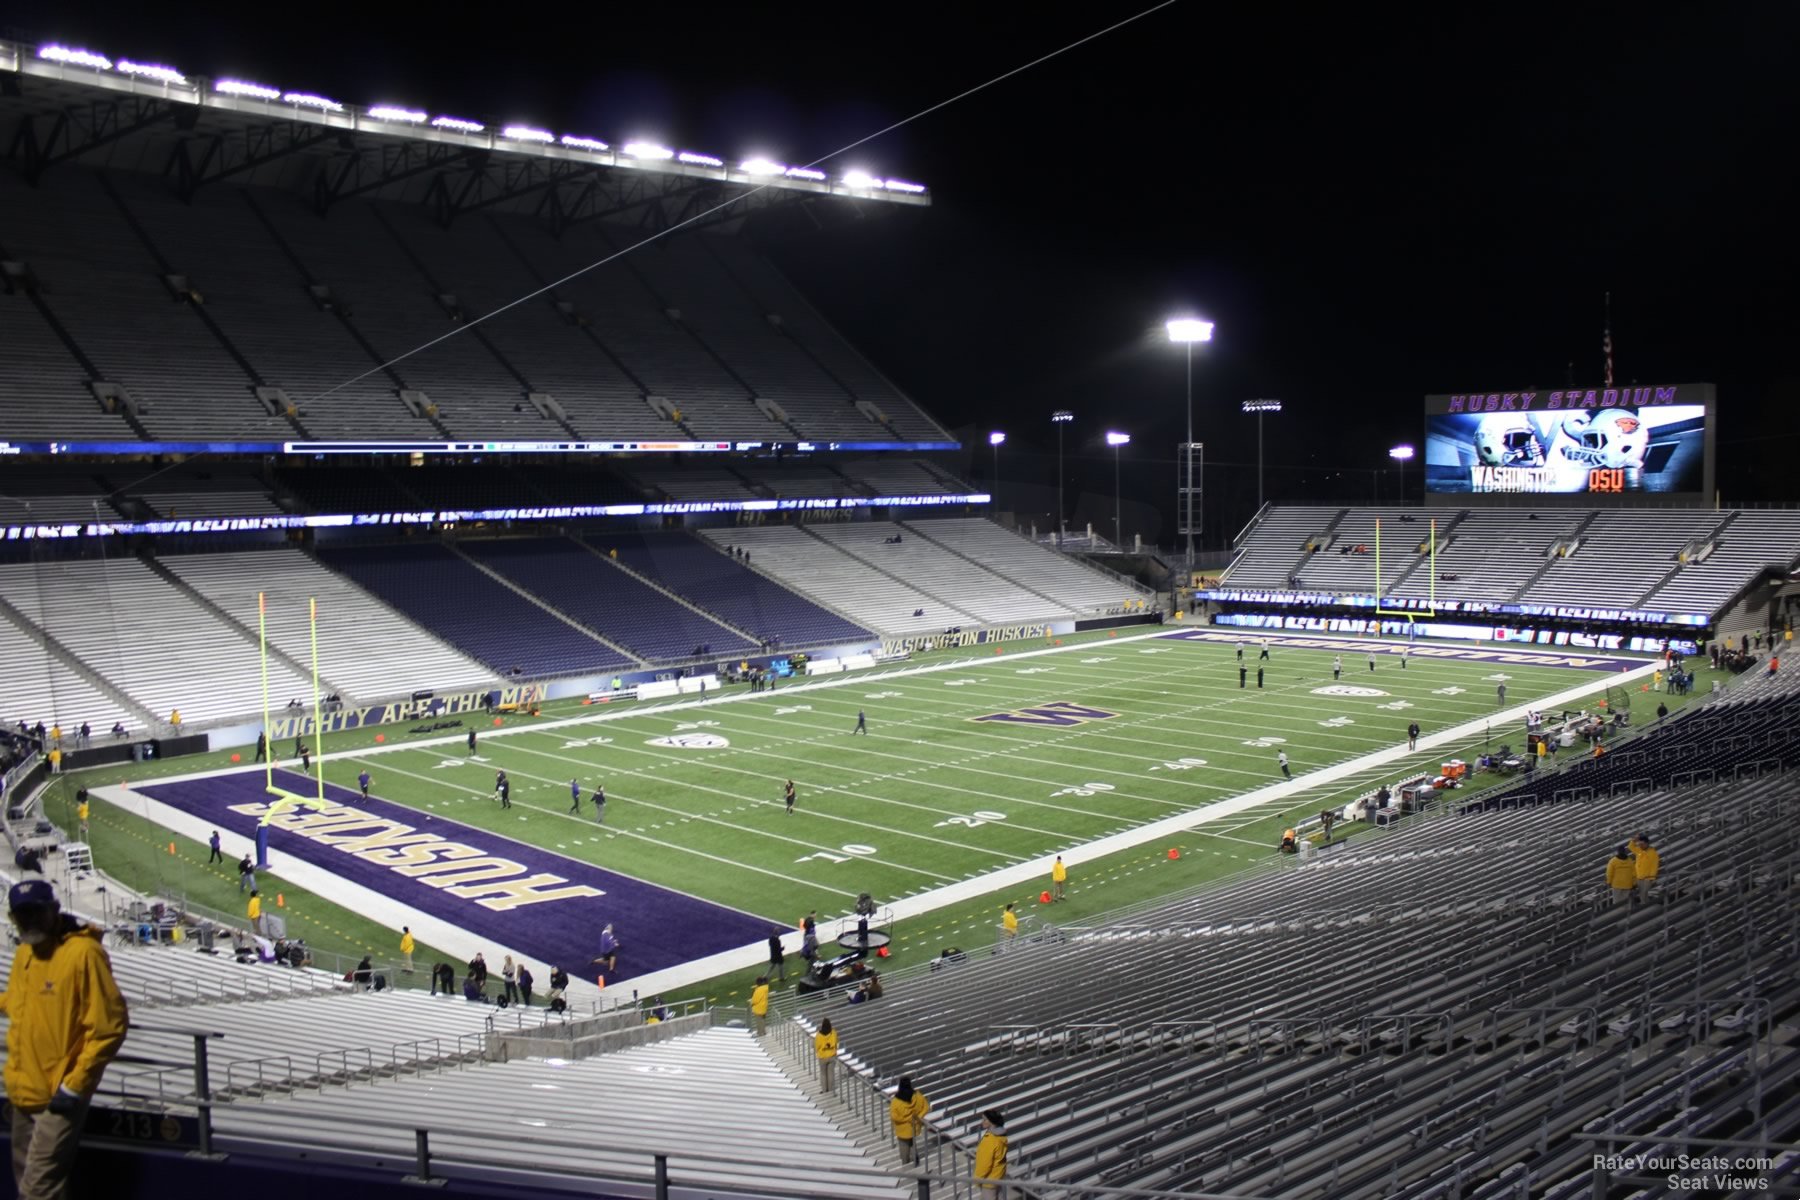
1372 202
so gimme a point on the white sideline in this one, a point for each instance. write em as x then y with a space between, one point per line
670 980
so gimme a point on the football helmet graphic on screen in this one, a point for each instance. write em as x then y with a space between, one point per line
1615 438
1508 440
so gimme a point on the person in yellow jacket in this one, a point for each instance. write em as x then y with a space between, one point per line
825 1049
81 819
254 911
65 1022
1059 875
1009 923
990 1154
759 1005
907 1112
407 946
1646 862
1621 876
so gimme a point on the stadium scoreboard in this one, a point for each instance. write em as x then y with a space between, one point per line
1585 443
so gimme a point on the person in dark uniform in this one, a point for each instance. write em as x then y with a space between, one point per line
362 781
1259 675
1412 736
262 746
305 758
503 790
862 724
471 741
599 804
777 956
574 796
1243 672
787 794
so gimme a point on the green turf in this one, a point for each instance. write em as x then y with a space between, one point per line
931 795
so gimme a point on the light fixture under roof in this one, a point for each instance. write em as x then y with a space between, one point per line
648 150
151 71
311 100
805 173
75 57
457 125
699 160
242 87
761 166
861 180
526 133
583 143
393 112
901 185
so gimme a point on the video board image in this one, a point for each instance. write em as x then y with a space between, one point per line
1657 450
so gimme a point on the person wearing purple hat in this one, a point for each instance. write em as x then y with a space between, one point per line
65 1022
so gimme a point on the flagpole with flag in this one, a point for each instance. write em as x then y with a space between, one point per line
1606 341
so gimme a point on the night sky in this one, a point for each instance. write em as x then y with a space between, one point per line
1372 202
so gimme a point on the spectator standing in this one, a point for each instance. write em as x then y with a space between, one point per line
525 985
907 1113
759 1006
406 949
1621 875
478 975
509 977
990 1153
1646 864
66 1022
825 1051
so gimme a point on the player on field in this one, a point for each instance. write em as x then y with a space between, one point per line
1371 662
574 796
471 741
1259 673
1337 666
599 804
1282 760
363 781
503 790
862 724
1240 650
1412 736
787 794
1265 650
1500 691
1243 671
1405 653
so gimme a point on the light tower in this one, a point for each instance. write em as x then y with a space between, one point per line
1059 418
1186 331
1116 440
1400 454
1260 407
996 440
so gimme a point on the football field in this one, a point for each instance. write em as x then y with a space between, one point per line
969 765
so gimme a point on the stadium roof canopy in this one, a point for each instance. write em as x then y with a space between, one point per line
61 104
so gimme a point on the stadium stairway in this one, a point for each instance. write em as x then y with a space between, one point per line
677 597
538 602
40 683
1550 560
231 622
922 530
880 570
790 1049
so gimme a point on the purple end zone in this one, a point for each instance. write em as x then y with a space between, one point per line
658 928
1570 658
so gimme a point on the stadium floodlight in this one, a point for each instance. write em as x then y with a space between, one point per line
75 57
1400 454
526 133
761 166
901 185
648 150
393 112
310 100
1189 329
1116 439
241 87
583 143
152 71
860 180
457 125
1260 408
806 173
996 438
699 160
1059 418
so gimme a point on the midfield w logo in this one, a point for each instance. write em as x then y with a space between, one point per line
1057 713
